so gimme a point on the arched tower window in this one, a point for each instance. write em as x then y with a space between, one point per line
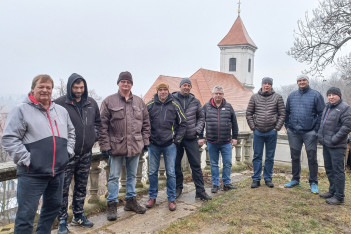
232 64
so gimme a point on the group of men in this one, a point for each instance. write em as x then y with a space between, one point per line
51 142
307 120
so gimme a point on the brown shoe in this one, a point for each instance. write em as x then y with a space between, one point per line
150 203
133 205
172 206
111 211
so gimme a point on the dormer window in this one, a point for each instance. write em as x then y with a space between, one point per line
232 64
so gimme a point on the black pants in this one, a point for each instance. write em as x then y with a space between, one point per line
335 169
79 167
192 151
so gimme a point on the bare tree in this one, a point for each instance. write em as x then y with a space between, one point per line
343 66
320 37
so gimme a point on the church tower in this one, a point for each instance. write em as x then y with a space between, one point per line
238 53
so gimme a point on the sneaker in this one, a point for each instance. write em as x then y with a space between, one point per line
227 187
133 205
203 196
269 183
82 221
314 188
63 227
334 201
292 183
214 189
255 184
150 203
178 192
172 206
326 195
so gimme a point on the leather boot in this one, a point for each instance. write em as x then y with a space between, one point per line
111 211
133 205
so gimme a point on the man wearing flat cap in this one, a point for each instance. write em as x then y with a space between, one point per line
168 127
333 134
124 133
195 122
304 109
265 116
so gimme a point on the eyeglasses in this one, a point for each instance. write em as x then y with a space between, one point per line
126 82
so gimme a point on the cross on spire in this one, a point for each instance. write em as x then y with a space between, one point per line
239 7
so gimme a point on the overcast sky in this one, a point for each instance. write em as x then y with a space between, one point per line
99 39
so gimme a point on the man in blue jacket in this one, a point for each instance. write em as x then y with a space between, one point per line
333 133
304 108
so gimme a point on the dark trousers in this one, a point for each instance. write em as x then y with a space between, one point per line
29 191
192 151
79 167
310 140
335 169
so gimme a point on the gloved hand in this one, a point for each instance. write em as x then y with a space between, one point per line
106 153
146 148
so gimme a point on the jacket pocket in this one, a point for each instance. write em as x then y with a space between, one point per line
137 112
118 113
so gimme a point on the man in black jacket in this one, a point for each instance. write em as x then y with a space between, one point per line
195 123
168 127
85 116
332 134
221 134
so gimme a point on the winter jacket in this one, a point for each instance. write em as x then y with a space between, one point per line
168 122
335 125
38 140
87 122
221 124
125 125
195 117
304 109
266 111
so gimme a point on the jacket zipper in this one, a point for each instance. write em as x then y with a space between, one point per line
218 124
53 137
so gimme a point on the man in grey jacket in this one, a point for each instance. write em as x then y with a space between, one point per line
195 123
333 133
265 116
39 136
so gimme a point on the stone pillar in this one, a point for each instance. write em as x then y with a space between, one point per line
94 182
162 169
238 148
208 163
139 174
248 149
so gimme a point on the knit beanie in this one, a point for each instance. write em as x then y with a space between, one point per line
185 80
334 90
125 76
303 76
267 80
162 85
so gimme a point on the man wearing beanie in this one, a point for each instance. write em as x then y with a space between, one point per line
265 116
168 127
195 122
304 109
333 134
124 133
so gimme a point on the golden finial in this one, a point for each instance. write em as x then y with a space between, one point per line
239 7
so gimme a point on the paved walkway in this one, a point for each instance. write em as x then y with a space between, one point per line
154 219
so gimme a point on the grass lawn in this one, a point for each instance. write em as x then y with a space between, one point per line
266 210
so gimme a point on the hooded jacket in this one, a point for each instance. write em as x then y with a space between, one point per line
168 122
195 117
86 122
303 110
125 125
38 140
221 124
265 111
335 125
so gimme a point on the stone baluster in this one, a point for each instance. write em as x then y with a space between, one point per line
248 149
238 148
107 171
208 163
94 182
139 175
162 169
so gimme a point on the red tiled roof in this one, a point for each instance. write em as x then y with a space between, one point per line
237 35
203 82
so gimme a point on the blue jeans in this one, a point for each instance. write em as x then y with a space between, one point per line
116 163
226 152
169 155
269 140
29 191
